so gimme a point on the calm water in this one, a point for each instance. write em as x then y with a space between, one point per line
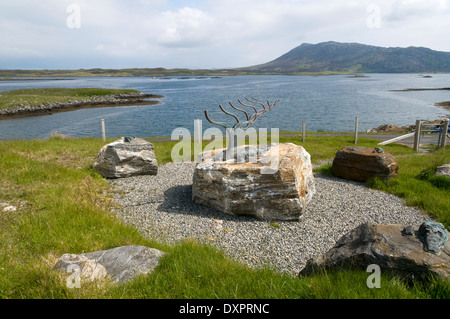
326 103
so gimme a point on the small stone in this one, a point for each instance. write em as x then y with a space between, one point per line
443 170
408 231
5 207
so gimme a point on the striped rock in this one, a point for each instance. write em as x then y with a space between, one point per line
275 185
123 158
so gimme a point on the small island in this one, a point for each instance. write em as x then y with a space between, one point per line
421 89
29 102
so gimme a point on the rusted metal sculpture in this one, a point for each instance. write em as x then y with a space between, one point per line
250 118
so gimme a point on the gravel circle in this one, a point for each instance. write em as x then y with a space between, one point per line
161 208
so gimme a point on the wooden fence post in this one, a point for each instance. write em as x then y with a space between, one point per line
304 131
417 135
199 131
103 131
356 130
443 140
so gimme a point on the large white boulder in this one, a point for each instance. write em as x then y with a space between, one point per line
123 158
277 185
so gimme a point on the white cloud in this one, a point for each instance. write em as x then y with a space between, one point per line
184 28
403 10
208 33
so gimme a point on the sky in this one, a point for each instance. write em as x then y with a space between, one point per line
197 34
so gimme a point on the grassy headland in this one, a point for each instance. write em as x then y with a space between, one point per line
150 72
64 206
26 102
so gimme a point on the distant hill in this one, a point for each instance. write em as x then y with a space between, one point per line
334 57
321 58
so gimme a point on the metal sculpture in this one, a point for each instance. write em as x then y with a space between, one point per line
250 118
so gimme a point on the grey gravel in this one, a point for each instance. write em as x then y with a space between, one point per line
161 208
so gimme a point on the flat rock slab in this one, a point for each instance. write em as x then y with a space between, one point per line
399 249
360 164
277 185
126 157
121 264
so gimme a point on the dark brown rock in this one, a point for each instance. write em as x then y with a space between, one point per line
360 164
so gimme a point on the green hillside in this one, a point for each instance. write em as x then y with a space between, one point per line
334 57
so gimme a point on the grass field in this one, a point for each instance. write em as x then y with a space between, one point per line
64 207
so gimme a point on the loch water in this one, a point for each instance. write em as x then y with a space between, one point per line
325 103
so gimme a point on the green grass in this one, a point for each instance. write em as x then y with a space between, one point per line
419 187
64 207
34 97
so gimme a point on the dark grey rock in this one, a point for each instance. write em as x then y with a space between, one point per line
121 264
126 262
434 236
387 247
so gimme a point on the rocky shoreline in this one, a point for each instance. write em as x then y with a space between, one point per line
99 101
445 104
391 128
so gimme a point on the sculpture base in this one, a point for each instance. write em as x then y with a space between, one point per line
274 185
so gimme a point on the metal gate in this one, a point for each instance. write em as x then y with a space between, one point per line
431 136
426 136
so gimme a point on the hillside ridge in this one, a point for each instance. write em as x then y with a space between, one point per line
339 57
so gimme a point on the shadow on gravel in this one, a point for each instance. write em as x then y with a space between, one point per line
178 200
337 179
